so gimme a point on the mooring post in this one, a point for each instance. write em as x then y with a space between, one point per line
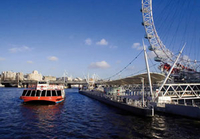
142 80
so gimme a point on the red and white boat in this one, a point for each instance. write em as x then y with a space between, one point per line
44 92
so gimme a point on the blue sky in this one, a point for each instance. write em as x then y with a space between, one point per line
79 36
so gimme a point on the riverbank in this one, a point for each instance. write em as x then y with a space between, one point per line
175 109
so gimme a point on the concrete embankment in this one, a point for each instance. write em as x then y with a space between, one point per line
182 110
175 109
140 111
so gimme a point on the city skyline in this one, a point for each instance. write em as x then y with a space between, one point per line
81 37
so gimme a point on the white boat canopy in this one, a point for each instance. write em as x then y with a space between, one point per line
136 79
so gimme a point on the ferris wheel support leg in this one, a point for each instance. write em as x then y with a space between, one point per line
170 71
148 71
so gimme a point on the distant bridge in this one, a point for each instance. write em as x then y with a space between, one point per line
25 83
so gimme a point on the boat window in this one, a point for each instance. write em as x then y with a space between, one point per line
43 92
54 93
28 93
59 92
48 93
24 93
33 93
38 93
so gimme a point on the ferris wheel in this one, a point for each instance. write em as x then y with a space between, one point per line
163 54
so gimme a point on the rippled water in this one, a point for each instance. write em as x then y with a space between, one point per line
81 117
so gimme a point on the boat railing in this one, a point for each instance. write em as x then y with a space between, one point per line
128 100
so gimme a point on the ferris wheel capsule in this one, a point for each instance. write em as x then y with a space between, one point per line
151 33
158 59
163 54
146 24
152 48
148 36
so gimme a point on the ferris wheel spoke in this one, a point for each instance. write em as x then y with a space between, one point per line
163 54
156 45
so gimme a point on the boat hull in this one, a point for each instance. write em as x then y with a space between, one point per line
54 99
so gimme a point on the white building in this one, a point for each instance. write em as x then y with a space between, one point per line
8 75
77 79
49 78
20 76
34 76
69 79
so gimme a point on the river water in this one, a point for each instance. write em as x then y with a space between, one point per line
82 117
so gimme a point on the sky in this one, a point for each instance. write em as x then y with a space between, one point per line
76 36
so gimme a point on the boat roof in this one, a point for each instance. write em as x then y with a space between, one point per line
136 79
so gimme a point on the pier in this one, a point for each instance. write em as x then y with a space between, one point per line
120 102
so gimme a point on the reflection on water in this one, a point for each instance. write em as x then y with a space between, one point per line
44 114
81 117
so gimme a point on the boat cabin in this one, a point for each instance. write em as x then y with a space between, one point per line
41 93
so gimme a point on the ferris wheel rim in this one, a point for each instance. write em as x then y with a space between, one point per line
156 43
151 33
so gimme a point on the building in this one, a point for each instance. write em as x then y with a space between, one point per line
8 75
34 76
20 76
77 79
49 78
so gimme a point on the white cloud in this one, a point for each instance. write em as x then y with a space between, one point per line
29 62
88 41
19 49
2 59
164 55
151 54
137 46
102 42
160 53
99 65
52 58
113 47
185 58
26 48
